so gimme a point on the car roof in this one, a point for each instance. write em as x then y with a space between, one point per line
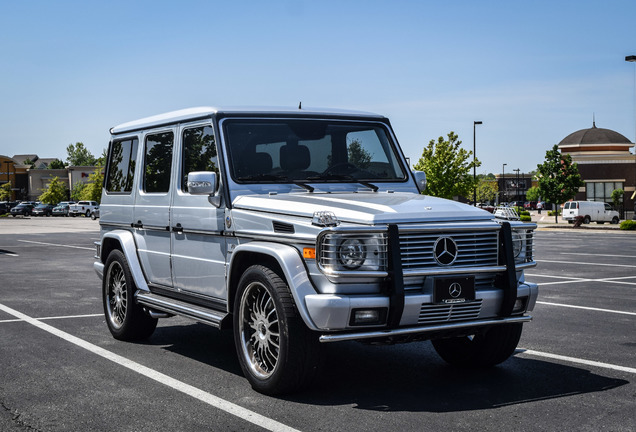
191 114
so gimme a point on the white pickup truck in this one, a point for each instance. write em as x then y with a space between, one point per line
82 208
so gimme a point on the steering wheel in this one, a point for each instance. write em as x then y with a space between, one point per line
341 167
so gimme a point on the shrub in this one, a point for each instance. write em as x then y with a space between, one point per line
628 225
551 212
525 218
524 213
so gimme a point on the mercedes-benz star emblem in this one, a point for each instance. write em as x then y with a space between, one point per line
455 290
445 251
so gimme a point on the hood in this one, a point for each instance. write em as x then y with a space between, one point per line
364 208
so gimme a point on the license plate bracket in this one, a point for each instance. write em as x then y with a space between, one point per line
458 289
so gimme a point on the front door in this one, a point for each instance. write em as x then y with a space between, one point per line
198 245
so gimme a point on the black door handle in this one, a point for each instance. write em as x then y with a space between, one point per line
177 229
139 224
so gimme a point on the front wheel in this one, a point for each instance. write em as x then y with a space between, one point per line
484 349
126 319
277 352
614 220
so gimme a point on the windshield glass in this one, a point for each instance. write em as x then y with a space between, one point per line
313 151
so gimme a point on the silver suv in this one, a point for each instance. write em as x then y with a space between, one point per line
296 227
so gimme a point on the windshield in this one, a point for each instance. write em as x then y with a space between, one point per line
310 151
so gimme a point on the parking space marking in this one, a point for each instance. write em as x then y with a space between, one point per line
597 255
576 360
586 308
59 245
208 398
55 318
586 263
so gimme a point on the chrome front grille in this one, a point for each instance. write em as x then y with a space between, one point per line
440 313
473 249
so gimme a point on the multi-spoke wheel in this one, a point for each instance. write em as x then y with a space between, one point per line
276 350
484 349
126 320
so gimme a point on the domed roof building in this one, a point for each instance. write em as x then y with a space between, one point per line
605 163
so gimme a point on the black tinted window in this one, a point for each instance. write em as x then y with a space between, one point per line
199 152
121 165
158 162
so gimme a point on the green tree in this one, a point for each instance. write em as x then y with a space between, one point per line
56 164
559 178
533 194
55 193
93 189
78 155
5 192
448 168
487 190
78 190
617 198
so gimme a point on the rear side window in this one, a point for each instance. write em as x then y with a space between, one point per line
121 165
158 162
199 153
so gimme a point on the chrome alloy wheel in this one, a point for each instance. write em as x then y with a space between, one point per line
116 295
259 330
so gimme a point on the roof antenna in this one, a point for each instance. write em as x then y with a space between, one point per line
300 105
593 120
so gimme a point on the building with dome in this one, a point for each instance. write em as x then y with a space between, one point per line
605 163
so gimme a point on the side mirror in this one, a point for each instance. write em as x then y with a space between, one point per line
202 183
420 180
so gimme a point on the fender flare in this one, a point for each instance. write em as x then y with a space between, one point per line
127 242
294 271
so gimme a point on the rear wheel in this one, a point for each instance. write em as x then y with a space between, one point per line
277 352
586 220
126 320
484 349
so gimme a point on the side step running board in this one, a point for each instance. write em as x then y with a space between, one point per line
165 304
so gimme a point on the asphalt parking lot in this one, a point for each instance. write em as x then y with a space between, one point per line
62 371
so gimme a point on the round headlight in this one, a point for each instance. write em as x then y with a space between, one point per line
352 253
517 243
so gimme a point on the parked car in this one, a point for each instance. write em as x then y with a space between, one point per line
530 205
24 209
288 239
43 210
590 211
95 213
61 210
82 208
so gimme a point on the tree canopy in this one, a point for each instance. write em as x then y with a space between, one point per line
55 193
448 168
78 155
93 189
559 178
533 194
487 190
56 164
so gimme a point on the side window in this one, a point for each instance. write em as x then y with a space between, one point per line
121 166
158 162
199 153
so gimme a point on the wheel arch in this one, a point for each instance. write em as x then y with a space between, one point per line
283 260
125 242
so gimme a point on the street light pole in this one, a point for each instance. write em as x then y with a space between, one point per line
517 190
475 123
503 182
632 59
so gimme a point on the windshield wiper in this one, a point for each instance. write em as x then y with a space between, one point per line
304 186
328 177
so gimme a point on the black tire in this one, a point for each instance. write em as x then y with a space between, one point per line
126 319
586 220
277 352
615 220
482 350
88 213
93 217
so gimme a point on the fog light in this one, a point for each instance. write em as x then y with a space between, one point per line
520 305
368 316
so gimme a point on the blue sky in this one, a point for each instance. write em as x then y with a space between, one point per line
532 71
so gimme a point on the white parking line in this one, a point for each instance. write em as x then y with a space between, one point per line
597 255
55 318
586 263
586 308
59 245
578 361
222 404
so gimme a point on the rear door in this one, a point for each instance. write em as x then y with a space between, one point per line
198 245
151 217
